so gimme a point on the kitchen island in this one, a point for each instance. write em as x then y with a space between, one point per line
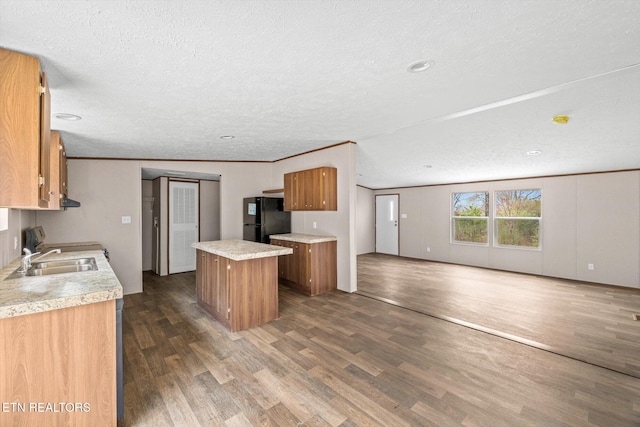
237 281
58 345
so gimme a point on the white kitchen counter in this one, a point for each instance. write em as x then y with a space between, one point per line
238 250
303 238
34 294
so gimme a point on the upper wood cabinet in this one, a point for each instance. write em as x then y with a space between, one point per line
64 177
57 171
25 132
311 190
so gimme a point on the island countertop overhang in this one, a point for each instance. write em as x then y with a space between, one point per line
239 250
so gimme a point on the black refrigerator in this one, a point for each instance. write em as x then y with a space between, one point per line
264 216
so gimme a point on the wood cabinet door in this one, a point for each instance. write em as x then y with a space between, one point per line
329 189
20 125
208 281
200 274
44 173
293 271
283 260
54 171
312 189
221 288
304 265
290 192
64 191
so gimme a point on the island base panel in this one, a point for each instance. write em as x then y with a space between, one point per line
252 289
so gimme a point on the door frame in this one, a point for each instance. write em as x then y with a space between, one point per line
168 223
375 220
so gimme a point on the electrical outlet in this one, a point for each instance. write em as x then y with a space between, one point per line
428 249
315 224
591 267
126 220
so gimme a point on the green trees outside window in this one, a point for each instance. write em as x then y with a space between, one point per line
517 215
470 217
517 218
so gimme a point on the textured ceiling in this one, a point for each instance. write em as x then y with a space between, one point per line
166 79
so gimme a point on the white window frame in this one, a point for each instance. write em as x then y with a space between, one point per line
497 218
455 217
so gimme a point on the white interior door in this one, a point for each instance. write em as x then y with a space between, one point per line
183 225
387 224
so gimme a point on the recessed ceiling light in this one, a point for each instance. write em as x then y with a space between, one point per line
533 152
227 137
68 117
561 120
420 66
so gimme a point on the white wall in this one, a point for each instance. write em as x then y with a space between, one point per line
209 210
18 222
592 218
365 216
340 223
109 189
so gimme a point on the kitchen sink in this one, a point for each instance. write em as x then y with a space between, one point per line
45 268
63 263
61 269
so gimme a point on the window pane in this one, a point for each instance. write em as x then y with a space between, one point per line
518 203
470 204
470 230
518 232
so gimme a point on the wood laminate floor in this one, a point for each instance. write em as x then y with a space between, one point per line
348 360
592 323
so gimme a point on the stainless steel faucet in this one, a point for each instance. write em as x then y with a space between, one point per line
26 260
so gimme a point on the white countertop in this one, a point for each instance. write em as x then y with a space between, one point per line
239 250
303 238
34 294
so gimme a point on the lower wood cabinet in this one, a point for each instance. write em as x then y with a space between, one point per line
238 294
212 287
58 367
311 269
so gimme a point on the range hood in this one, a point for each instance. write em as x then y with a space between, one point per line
69 203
